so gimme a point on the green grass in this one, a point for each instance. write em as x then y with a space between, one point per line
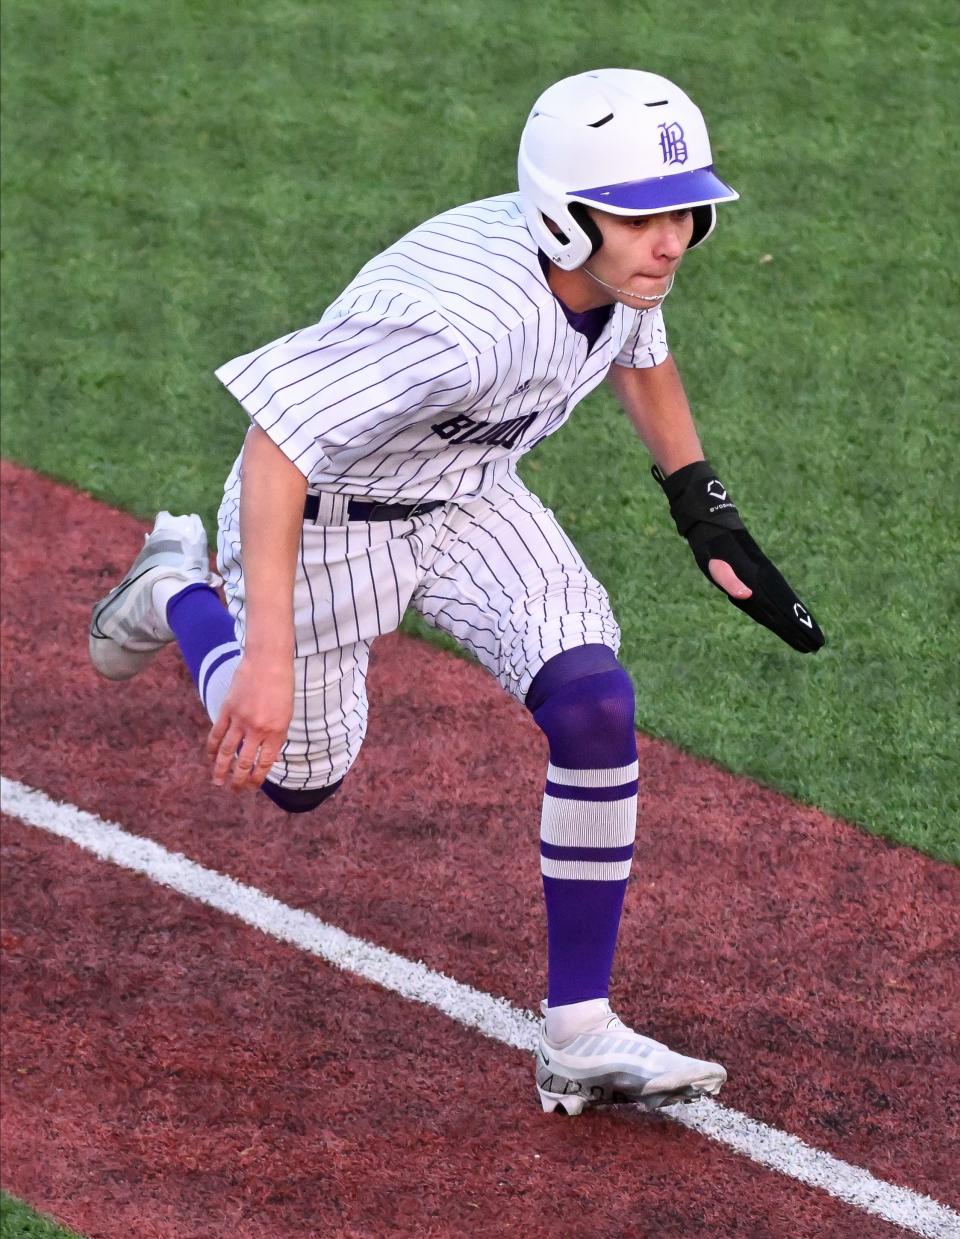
18 1221
185 181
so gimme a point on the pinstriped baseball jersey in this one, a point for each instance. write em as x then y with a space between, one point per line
444 360
441 363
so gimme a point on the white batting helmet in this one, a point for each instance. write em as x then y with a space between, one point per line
622 141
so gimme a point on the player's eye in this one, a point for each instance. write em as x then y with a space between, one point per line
681 215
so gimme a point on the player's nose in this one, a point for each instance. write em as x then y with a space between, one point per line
671 239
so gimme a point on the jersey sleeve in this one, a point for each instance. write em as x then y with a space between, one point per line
646 345
349 377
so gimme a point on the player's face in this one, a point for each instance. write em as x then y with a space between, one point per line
641 252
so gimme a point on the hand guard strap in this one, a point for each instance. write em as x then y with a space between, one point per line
697 494
708 518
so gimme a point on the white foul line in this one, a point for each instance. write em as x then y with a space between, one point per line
494 1017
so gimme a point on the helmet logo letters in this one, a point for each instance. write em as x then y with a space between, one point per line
672 144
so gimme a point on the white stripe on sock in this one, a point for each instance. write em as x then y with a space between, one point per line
218 685
588 823
585 870
212 657
612 777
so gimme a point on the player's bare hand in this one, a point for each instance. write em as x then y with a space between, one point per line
724 576
252 725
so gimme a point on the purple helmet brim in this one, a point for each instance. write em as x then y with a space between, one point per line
659 193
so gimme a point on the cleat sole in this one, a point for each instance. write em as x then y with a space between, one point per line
574 1101
570 1104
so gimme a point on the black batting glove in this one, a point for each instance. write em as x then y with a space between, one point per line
706 516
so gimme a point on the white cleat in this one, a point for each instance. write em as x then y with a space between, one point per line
127 629
609 1064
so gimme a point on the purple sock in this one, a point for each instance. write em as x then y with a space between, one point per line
208 642
588 826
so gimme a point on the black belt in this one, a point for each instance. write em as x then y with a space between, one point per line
365 510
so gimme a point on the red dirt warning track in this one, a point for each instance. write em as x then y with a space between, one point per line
169 1071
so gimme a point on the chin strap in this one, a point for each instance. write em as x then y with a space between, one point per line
625 292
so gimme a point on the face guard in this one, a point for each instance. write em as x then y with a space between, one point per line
632 142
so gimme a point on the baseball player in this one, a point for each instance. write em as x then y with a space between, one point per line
379 472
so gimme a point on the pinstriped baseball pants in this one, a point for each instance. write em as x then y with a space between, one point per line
496 572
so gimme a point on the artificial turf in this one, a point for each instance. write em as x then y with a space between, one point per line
17 1221
184 182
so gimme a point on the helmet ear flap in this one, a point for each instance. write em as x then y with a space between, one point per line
704 221
562 236
581 213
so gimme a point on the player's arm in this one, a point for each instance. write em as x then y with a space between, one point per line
654 400
257 710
